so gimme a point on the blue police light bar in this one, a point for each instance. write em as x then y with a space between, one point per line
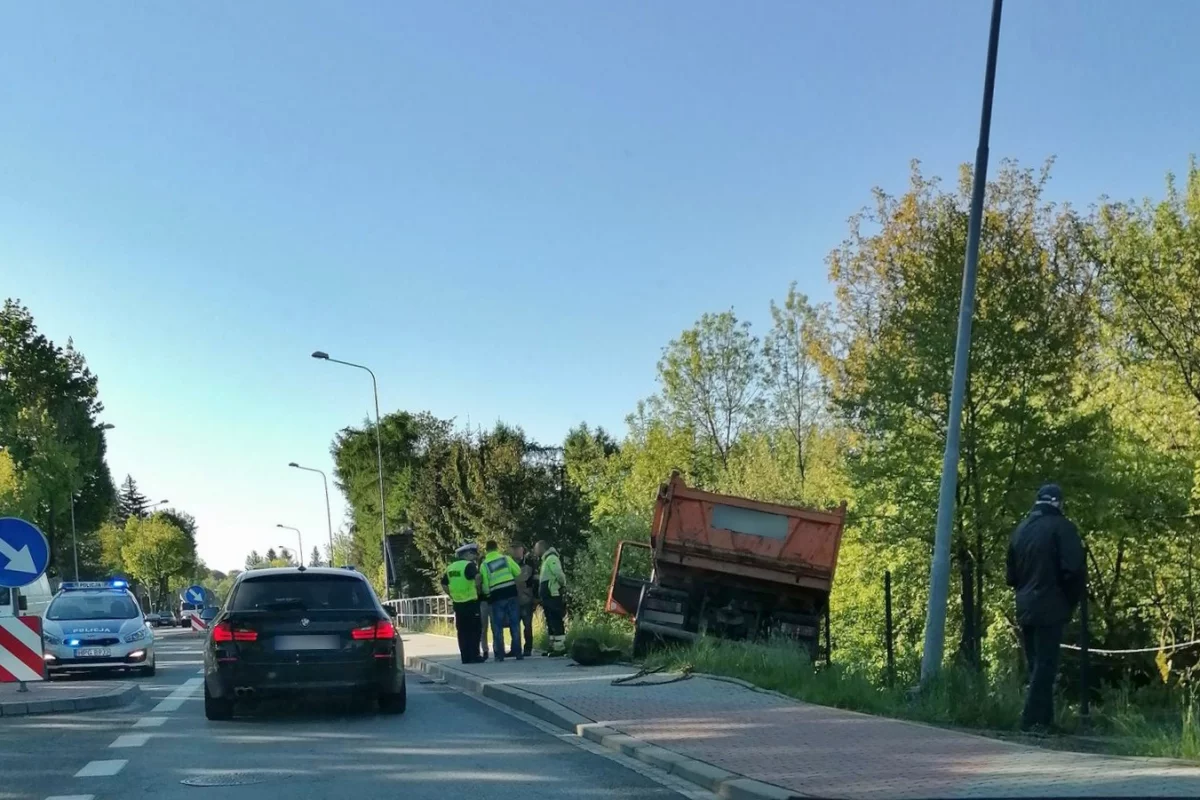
78 586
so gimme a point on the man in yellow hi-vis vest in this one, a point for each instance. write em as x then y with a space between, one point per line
459 581
499 577
553 591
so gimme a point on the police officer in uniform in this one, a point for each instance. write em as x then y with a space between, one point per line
526 594
459 581
500 573
552 593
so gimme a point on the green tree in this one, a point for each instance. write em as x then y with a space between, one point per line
130 502
49 408
1151 265
112 539
710 380
253 560
271 555
314 560
16 499
897 279
154 551
797 391
406 440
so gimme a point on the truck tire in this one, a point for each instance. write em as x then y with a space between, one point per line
643 642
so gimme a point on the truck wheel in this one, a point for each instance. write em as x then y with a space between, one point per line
643 641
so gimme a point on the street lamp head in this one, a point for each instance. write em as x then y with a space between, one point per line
293 464
107 426
279 525
320 354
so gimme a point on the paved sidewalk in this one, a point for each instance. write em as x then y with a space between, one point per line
47 697
814 750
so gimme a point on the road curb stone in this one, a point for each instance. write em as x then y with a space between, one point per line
721 782
122 696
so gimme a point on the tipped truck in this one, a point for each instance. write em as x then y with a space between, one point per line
727 566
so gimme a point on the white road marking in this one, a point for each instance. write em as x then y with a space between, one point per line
131 740
102 769
178 697
149 722
72 797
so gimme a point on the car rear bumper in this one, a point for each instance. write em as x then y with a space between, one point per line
231 679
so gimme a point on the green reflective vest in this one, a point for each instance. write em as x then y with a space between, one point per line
462 589
552 574
498 571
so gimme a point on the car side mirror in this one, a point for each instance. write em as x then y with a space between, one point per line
22 603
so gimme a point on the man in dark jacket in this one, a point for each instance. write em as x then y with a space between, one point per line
1047 570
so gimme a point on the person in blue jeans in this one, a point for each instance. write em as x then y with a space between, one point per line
498 575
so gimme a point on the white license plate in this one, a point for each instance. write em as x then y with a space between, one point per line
93 652
308 642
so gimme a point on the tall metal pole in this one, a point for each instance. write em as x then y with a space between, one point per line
299 542
328 514
74 541
387 555
939 578
378 452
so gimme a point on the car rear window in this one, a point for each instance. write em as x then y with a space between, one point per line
304 592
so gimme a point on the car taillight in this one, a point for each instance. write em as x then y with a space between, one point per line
224 632
380 630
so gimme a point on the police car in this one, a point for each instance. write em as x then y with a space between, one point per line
96 625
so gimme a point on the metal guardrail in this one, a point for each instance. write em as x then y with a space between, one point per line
416 612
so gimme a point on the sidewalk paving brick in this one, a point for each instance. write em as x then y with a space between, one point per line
49 697
809 749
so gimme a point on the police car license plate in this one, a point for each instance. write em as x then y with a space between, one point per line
93 652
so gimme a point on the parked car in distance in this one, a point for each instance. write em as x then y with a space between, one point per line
162 619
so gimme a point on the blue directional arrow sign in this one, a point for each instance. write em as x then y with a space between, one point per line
194 595
24 552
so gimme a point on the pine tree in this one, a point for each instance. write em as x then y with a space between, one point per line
253 560
272 555
130 502
314 560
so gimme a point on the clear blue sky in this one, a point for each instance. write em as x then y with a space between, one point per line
505 208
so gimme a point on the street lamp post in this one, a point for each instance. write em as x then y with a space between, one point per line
153 506
320 354
328 515
939 577
299 541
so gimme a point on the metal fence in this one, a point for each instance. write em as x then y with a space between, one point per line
416 613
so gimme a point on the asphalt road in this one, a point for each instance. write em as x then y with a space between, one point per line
446 744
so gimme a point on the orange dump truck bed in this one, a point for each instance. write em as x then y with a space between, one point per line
763 541
728 566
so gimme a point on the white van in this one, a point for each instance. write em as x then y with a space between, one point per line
35 598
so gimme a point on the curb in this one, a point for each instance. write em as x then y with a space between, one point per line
721 782
123 696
